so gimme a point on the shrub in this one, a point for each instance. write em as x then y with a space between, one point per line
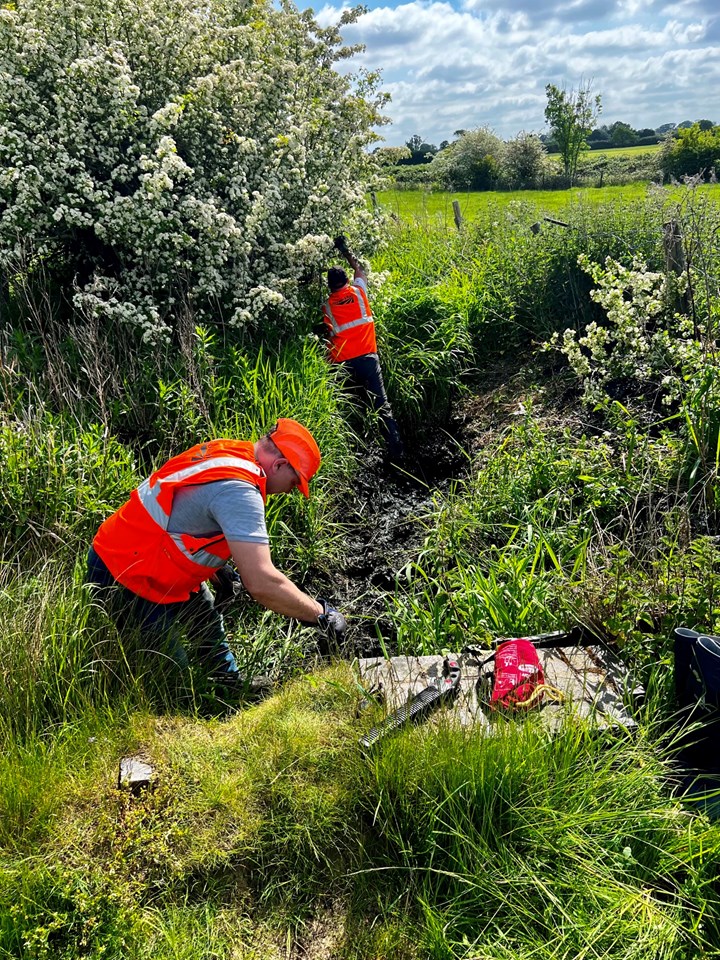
470 163
412 176
523 162
641 341
610 169
690 152
196 155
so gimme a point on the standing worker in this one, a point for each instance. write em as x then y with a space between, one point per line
350 323
152 557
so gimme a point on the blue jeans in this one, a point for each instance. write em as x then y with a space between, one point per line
365 371
163 624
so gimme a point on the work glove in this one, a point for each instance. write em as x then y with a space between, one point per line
226 585
341 244
332 623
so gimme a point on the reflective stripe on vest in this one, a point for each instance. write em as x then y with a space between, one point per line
202 557
365 314
149 497
135 544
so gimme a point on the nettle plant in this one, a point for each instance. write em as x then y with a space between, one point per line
643 346
173 154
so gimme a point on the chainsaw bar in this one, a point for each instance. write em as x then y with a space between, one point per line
421 705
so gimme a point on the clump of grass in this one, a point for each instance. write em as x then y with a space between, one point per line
556 524
442 843
60 480
520 845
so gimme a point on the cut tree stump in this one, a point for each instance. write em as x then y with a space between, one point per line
135 774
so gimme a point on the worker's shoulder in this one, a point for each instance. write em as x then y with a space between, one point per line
227 487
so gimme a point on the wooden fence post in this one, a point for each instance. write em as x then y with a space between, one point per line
675 261
457 214
373 197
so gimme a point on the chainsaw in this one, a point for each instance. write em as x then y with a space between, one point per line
444 689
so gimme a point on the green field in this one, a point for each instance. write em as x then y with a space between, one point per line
435 207
617 152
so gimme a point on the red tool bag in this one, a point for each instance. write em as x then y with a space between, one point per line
519 678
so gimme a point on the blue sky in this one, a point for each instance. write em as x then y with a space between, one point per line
472 63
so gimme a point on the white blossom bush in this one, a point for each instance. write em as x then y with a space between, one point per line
642 340
176 153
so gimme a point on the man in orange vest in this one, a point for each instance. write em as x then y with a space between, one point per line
351 328
152 557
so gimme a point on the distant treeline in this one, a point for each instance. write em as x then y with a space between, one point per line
604 137
478 160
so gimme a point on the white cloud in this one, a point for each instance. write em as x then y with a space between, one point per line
488 62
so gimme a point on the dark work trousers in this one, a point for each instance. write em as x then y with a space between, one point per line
163 625
365 371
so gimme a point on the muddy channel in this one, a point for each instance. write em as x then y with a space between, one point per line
388 519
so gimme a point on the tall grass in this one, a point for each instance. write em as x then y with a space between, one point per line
508 280
442 844
58 653
524 847
268 833
556 523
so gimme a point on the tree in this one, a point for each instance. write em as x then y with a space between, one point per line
428 151
623 135
523 161
571 116
420 150
391 156
691 152
176 155
470 163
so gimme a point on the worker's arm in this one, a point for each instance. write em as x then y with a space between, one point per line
268 586
356 265
360 273
346 253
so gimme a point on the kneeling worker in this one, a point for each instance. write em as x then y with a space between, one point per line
179 528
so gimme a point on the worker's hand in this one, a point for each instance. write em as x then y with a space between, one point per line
226 584
341 244
332 623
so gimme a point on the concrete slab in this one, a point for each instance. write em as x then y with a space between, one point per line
591 682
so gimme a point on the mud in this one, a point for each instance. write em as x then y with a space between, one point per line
385 516
388 509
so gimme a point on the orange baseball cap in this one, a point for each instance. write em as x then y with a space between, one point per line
297 445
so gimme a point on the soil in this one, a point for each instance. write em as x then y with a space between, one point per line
387 504
386 508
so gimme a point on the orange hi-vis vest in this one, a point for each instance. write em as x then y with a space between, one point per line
135 544
349 318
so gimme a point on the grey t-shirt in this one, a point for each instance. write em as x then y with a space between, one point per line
231 507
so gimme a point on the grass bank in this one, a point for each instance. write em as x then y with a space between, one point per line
269 835
585 487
